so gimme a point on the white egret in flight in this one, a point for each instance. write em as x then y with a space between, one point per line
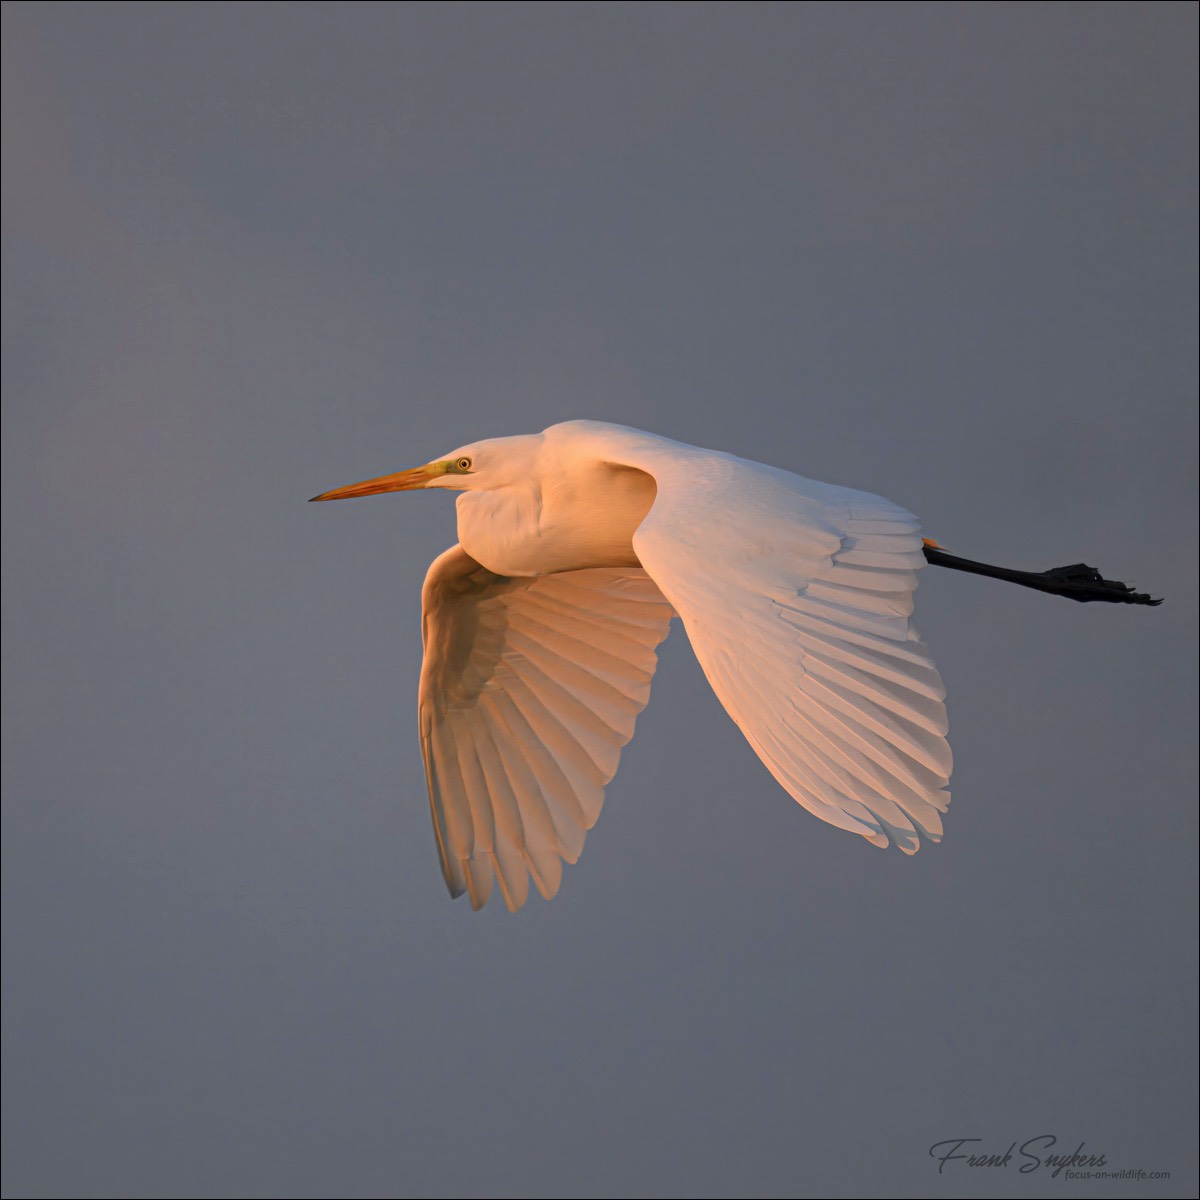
576 547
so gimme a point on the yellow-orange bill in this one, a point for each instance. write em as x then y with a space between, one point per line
402 481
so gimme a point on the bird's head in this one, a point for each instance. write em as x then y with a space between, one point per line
496 463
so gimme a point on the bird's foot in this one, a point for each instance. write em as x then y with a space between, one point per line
1081 582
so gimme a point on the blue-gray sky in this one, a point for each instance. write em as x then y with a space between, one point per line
941 252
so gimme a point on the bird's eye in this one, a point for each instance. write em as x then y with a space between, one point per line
463 464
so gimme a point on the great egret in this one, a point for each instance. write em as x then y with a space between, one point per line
576 548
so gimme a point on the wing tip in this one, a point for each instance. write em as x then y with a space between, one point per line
907 841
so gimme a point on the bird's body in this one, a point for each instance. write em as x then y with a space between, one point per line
576 547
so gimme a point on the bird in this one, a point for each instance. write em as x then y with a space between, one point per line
577 547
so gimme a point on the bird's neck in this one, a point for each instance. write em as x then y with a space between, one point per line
586 519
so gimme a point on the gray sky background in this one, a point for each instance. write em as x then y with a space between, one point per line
940 252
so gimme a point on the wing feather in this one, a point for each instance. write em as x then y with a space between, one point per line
545 780
529 689
797 597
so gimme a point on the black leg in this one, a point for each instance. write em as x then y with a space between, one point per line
1076 582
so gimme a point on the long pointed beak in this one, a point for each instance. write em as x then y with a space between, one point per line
402 481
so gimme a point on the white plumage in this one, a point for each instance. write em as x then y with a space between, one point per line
577 545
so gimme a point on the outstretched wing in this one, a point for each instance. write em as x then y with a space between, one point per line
529 688
796 596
